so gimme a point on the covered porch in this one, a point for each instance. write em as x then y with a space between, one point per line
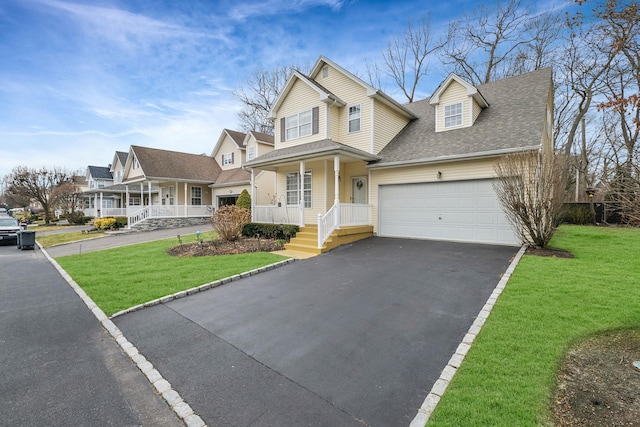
321 187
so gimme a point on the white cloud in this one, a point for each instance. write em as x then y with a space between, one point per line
245 11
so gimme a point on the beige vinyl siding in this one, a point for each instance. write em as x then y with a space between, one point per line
265 188
228 191
349 171
387 124
334 123
300 98
352 93
454 171
318 195
453 94
476 111
179 196
229 146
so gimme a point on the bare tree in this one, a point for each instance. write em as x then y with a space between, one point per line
258 95
482 45
38 184
406 58
530 187
68 197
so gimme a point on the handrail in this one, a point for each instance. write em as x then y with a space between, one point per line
327 223
138 216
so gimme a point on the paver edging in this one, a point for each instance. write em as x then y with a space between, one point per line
440 386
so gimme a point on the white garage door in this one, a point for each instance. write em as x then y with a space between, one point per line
465 211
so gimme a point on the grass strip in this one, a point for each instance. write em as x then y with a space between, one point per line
47 240
120 278
508 377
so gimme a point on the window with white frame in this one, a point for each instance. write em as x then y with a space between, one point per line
354 118
107 204
134 201
196 196
293 188
298 125
227 159
251 152
453 115
136 164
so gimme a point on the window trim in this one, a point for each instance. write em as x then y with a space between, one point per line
296 192
298 125
251 152
227 159
350 119
451 115
194 198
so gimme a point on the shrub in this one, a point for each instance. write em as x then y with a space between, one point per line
75 217
579 214
244 200
121 221
106 223
229 220
270 231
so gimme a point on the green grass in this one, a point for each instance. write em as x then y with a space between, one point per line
508 377
120 278
48 240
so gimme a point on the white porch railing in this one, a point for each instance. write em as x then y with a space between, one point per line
136 214
272 214
342 215
114 212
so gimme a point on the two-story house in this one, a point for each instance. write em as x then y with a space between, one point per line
347 155
231 151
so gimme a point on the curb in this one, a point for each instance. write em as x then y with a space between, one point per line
447 374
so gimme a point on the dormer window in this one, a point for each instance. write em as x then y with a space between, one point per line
251 152
453 115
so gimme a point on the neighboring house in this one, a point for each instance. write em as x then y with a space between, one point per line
173 184
109 197
348 155
230 152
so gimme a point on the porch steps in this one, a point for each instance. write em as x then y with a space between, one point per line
306 239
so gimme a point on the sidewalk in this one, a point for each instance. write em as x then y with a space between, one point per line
58 365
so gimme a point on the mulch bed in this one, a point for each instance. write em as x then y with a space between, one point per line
549 252
240 246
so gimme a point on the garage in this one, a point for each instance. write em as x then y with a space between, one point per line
464 211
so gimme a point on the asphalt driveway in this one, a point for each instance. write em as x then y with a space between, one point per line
357 336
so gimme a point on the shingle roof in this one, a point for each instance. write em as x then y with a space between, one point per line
100 172
122 157
238 137
262 137
513 120
321 147
160 164
233 176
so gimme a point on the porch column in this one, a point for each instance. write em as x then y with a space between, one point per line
95 205
142 194
126 200
253 193
186 187
149 187
301 206
336 180
101 205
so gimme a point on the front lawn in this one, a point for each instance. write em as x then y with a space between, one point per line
549 304
120 278
47 240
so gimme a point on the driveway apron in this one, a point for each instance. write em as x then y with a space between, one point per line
357 336
58 366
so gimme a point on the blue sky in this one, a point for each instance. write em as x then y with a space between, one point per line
82 79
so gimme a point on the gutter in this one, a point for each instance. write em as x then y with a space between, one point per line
453 158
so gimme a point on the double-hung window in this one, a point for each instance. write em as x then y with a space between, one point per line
298 125
196 196
453 115
227 159
354 118
251 152
293 188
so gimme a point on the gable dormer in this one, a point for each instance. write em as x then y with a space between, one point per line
457 103
229 151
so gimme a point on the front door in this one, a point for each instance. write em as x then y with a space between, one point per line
359 190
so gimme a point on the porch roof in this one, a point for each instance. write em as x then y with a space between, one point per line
312 150
121 188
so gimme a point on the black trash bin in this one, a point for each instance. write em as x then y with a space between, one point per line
26 239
